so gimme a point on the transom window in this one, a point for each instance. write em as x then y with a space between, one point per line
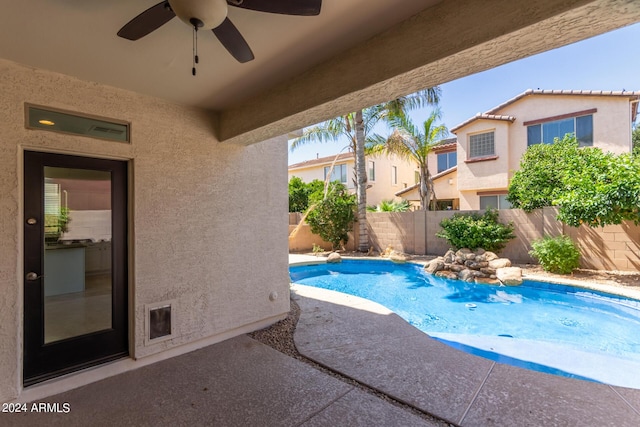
54 120
339 173
482 145
581 127
447 161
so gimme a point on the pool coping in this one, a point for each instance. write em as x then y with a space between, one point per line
369 343
618 290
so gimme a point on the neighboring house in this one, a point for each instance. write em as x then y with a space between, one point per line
442 163
386 175
490 145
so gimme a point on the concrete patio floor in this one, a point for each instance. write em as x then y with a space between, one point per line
367 342
241 382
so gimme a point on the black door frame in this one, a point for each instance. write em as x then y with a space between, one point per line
44 361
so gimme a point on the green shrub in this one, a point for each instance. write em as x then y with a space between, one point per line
299 193
476 231
332 217
587 185
556 254
390 206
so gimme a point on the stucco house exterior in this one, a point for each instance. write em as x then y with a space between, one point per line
189 247
386 174
442 164
474 169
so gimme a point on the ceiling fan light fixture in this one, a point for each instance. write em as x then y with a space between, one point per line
210 12
212 15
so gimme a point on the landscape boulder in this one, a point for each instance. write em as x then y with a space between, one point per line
434 265
449 257
487 281
489 256
499 263
334 257
468 275
399 257
447 274
511 276
478 266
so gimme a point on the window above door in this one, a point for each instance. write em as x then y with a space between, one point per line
55 120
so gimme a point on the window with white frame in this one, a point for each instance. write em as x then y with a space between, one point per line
372 170
339 173
447 161
497 201
394 175
581 127
481 145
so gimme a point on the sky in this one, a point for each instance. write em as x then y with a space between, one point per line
610 61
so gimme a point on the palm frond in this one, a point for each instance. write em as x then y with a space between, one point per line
375 144
419 99
329 131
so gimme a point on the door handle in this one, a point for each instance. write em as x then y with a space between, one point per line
31 276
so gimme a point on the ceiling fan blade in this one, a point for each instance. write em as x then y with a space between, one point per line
233 41
148 21
284 7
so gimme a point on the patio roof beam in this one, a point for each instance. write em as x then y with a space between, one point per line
450 40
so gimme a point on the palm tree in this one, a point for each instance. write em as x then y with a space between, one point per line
357 129
414 143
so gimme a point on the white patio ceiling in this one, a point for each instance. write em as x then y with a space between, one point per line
306 69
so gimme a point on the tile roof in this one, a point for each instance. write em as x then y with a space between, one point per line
445 144
484 116
491 114
434 177
321 160
625 93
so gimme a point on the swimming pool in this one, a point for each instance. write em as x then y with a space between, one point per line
550 328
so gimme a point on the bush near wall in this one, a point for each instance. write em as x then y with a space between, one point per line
556 254
475 230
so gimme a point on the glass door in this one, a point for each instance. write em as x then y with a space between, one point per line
75 263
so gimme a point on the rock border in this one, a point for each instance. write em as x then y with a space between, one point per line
477 266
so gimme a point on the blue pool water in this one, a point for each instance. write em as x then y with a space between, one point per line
551 328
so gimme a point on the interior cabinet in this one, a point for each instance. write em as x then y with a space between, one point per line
98 258
63 270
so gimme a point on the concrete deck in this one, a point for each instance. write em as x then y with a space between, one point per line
241 382
367 342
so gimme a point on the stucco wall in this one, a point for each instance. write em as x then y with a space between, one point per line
301 239
611 128
446 187
199 232
382 188
317 172
611 123
483 175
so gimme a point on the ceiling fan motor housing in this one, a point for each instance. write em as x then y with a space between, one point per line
210 12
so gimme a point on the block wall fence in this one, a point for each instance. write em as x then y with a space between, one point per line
614 247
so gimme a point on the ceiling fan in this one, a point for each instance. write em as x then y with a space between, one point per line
212 15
